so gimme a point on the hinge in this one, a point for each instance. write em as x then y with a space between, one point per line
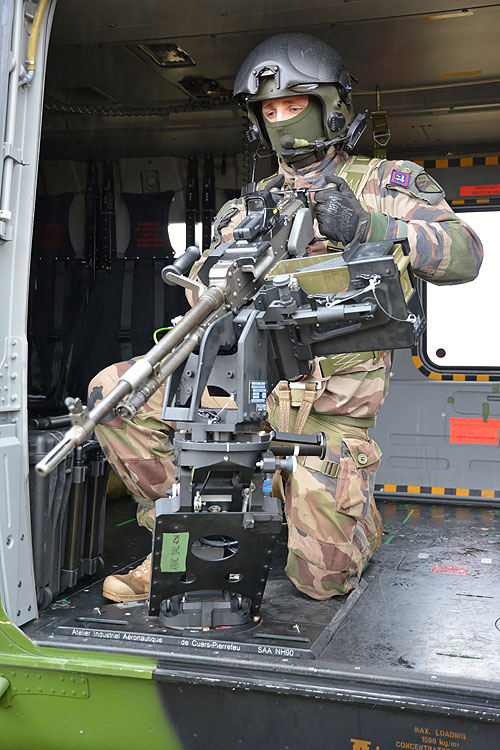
11 375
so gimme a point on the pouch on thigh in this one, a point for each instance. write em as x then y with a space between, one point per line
323 556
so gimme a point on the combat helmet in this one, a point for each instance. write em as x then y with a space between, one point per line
292 64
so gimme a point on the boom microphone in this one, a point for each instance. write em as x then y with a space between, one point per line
289 142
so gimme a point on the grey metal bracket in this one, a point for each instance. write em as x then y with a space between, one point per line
9 151
11 376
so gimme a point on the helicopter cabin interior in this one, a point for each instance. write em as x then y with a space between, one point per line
141 143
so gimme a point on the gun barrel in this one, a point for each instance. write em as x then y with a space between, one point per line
186 332
75 436
129 408
212 299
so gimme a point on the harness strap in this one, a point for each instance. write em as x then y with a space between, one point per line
159 288
284 397
59 284
330 468
356 171
126 308
310 395
285 402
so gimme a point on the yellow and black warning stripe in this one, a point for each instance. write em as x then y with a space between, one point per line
465 161
475 201
458 492
449 376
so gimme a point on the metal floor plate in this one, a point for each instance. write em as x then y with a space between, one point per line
430 608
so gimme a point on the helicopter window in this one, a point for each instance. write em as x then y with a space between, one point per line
461 330
177 236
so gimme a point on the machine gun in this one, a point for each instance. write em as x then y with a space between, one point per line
237 272
265 309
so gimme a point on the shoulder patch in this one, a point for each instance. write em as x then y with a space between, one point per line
414 179
425 187
400 177
426 184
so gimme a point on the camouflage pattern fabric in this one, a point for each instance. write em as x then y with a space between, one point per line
138 451
327 549
145 516
443 248
334 526
355 391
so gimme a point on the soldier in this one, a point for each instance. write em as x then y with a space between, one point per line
296 91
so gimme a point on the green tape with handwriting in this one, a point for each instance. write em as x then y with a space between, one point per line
174 550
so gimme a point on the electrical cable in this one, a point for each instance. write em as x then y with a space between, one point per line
159 330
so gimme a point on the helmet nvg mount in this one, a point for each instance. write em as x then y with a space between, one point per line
295 64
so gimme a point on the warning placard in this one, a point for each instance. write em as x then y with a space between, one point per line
474 430
454 570
477 191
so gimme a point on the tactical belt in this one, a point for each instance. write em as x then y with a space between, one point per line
341 362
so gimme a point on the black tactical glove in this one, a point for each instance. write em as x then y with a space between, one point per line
340 215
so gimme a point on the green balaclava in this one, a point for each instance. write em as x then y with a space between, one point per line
307 125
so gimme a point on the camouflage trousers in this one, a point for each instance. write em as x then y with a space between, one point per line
139 451
334 525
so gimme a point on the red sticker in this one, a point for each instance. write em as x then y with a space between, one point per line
479 190
400 178
454 570
474 430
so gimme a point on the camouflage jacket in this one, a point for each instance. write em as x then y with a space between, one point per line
405 202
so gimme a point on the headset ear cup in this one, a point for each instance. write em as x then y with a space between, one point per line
336 121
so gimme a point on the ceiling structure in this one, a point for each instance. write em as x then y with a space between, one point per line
437 67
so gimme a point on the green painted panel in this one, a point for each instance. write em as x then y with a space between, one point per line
42 682
19 651
55 699
4 685
116 713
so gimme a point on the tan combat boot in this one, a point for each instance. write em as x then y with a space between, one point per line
130 587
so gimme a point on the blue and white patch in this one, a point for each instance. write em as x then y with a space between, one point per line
400 178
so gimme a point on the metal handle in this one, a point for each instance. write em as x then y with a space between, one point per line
182 265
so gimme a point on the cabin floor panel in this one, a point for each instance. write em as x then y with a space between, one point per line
429 606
